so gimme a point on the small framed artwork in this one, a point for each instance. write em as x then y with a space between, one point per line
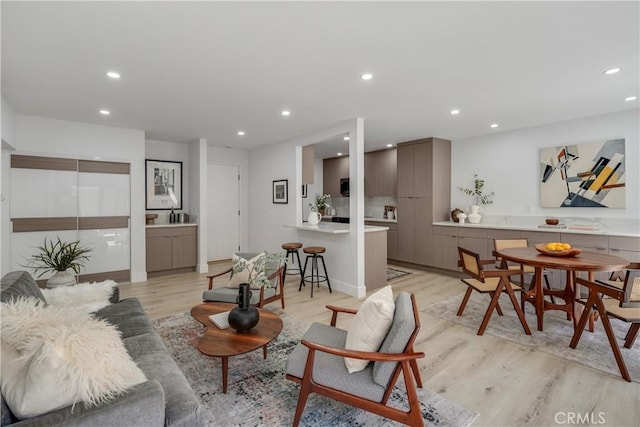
304 191
281 191
163 184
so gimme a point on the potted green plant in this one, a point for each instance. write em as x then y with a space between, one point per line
59 257
479 197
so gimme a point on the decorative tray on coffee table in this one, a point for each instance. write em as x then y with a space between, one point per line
540 247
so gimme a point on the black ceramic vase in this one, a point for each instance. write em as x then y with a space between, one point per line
244 316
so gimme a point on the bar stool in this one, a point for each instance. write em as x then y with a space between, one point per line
315 253
292 251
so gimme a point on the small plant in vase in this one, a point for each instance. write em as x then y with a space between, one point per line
479 197
322 203
58 257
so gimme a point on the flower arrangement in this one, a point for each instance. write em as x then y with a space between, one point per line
321 204
480 197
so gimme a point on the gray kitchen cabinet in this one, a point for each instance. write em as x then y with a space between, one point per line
625 247
445 247
307 164
380 173
424 181
334 169
475 240
171 249
392 237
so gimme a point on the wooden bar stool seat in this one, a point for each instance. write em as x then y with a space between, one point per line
315 253
292 252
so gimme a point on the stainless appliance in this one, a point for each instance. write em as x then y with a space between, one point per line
183 218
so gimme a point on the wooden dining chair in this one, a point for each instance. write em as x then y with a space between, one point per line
499 244
623 304
617 278
492 282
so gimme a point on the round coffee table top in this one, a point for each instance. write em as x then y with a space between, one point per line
227 342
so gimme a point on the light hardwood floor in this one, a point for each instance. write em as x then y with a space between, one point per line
506 383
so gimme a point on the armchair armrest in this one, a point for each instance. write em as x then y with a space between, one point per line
211 277
336 310
500 273
364 355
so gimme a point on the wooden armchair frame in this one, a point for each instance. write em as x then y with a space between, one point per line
408 365
594 301
279 295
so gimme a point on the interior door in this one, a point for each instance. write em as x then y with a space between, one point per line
223 211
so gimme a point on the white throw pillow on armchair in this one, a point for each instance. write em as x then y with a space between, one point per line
370 326
243 276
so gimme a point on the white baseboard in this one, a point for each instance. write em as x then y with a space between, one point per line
340 286
138 277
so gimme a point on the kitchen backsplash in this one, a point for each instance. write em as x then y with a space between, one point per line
374 206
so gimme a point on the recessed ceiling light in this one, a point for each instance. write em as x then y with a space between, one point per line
339 154
612 71
105 112
494 125
286 113
346 138
113 74
389 145
454 112
366 76
240 133
630 98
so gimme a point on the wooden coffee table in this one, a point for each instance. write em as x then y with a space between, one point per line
224 343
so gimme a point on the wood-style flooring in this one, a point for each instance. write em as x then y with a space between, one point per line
506 383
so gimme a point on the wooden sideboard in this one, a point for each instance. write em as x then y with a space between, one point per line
171 249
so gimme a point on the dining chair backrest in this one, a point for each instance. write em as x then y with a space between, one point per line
500 244
470 263
631 290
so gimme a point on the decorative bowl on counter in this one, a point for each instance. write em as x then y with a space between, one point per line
541 247
150 218
552 221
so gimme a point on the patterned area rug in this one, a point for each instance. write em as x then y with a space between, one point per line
394 273
258 393
593 349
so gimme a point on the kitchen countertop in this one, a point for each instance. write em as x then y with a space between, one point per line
178 224
394 221
603 226
334 228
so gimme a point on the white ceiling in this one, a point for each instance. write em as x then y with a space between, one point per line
209 69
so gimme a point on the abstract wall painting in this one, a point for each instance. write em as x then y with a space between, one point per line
583 175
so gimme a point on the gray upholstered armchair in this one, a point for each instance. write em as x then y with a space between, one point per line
273 292
317 363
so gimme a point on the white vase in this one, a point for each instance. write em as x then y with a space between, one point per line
314 218
474 217
61 278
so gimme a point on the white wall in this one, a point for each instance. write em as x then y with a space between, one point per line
509 164
7 130
198 205
43 136
174 152
345 253
240 158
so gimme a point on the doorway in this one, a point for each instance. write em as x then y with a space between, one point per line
223 211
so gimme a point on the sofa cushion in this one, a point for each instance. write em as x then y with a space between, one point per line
128 316
182 407
369 326
330 370
397 338
19 284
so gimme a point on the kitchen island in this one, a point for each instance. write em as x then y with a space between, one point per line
335 238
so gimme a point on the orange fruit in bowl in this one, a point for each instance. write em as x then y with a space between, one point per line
551 246
565 246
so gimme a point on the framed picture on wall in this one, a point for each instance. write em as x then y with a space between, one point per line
163 184
281 191
304 191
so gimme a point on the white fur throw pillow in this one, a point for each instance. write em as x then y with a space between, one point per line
370 326
88 297
59 357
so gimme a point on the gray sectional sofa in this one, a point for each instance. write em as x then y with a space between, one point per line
166 399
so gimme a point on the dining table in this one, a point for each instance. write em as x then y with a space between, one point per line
588 262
